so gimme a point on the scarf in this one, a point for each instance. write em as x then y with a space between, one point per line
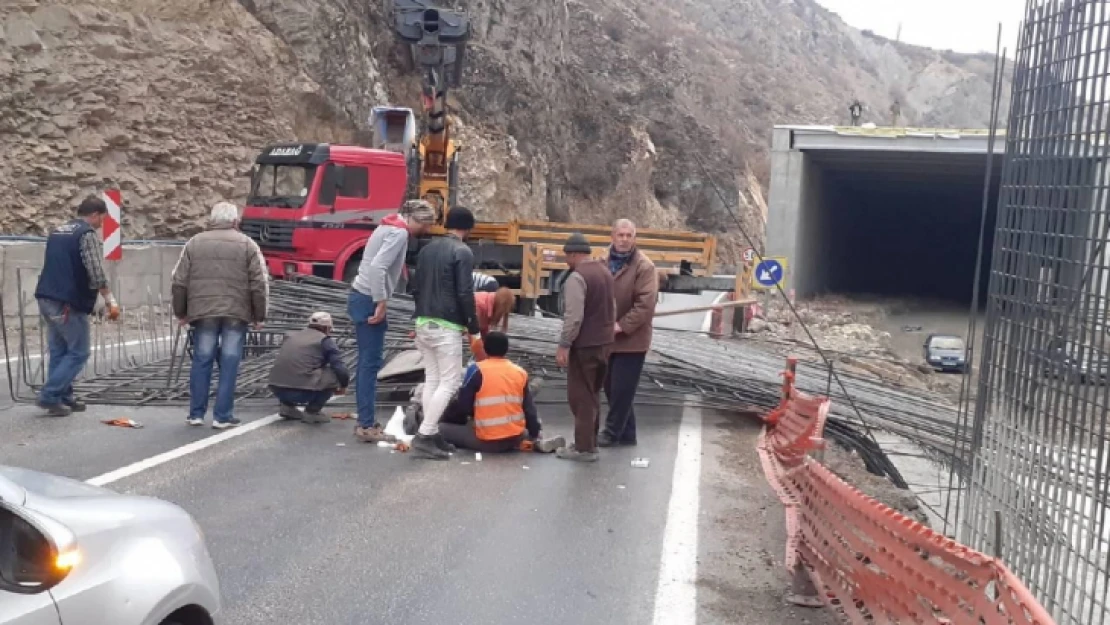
617 260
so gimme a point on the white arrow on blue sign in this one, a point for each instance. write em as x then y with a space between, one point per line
769 272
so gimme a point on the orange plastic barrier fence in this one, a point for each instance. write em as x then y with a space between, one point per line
871 563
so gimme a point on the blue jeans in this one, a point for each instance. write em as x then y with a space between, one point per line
208 335
371 348
67 334
313 401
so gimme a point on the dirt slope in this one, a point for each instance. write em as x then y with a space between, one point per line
571 109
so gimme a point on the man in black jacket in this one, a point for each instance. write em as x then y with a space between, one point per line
444 292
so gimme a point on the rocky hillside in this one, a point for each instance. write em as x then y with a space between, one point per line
570 109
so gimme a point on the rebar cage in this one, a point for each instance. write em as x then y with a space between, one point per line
1037 488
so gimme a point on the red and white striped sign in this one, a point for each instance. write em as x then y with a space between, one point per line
113 238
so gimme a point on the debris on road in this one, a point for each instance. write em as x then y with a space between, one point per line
478 456
640 463
342 416
123 423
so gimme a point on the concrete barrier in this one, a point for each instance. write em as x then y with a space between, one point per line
144 269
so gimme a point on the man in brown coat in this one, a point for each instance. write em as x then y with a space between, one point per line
587 336
635 288
219 286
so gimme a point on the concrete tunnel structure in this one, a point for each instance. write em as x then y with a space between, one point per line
881 211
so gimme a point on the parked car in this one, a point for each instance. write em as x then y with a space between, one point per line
946 352
72 553
1075 362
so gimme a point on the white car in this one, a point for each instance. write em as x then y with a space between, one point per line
71 553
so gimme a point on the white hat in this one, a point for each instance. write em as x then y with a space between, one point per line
321 319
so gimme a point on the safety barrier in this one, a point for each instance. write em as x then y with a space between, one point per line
867 561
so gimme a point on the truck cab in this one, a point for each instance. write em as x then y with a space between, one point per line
312 206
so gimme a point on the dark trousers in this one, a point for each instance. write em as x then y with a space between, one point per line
585 379
463 436
313 401
620 389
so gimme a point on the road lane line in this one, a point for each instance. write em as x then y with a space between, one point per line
184 450
676 596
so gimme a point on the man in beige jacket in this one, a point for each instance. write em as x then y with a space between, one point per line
219 287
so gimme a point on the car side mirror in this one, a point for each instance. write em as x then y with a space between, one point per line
36 552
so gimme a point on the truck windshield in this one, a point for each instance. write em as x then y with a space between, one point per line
282 186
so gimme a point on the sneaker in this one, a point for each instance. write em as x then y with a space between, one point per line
233 422
316 417
75 405
443 444
424 446
605 440
570 453
195 421
56 410
373 435
549 445
291 412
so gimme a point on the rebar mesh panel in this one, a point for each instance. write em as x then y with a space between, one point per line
1039 440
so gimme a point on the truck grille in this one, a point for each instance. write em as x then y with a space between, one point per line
268 233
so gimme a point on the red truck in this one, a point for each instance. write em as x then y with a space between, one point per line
313 205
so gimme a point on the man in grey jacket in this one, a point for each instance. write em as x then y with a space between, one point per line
219 286
383 261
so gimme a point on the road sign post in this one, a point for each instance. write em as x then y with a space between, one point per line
113 238
770 273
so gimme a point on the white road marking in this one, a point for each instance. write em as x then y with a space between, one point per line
676 596
185 450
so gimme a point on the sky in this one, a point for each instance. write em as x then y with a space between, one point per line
960 25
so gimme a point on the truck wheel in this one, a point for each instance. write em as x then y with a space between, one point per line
350 270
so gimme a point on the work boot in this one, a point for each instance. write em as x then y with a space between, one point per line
373 435
75 405
549 445
424 446
289 411
443 444
570 453
56 410
316 416
605 440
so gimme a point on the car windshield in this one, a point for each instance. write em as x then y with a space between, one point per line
947 342
281 186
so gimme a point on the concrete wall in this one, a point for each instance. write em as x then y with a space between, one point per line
144 269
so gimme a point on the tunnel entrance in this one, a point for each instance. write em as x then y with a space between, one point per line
882 214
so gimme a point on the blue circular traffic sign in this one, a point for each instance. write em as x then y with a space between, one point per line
769 272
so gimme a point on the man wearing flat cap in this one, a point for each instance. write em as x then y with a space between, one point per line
589 315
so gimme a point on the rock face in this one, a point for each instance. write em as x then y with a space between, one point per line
660 110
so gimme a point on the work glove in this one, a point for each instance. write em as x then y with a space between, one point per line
341 390
113 309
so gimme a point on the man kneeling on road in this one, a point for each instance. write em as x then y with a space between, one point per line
498 395
308 371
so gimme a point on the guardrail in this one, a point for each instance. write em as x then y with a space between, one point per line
865 560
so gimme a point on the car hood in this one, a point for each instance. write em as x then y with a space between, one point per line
38 484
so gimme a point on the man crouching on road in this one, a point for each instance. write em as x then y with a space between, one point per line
636 288
588 317
499 396
444 294
383 261
220 285
72 275
308 371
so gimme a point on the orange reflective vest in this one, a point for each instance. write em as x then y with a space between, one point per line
499 404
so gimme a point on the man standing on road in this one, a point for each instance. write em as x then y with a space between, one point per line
308 371
635 289
589 315
72 275
383 261
444 292
220 285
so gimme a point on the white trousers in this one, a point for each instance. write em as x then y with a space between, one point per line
441 351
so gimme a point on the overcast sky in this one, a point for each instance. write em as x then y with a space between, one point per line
961 25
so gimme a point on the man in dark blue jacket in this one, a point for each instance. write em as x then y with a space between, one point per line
72 277
308 370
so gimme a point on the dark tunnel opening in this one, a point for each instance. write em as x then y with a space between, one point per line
898 224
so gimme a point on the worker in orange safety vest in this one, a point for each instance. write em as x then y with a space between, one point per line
494 411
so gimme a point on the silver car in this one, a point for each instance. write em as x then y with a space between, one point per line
73 553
